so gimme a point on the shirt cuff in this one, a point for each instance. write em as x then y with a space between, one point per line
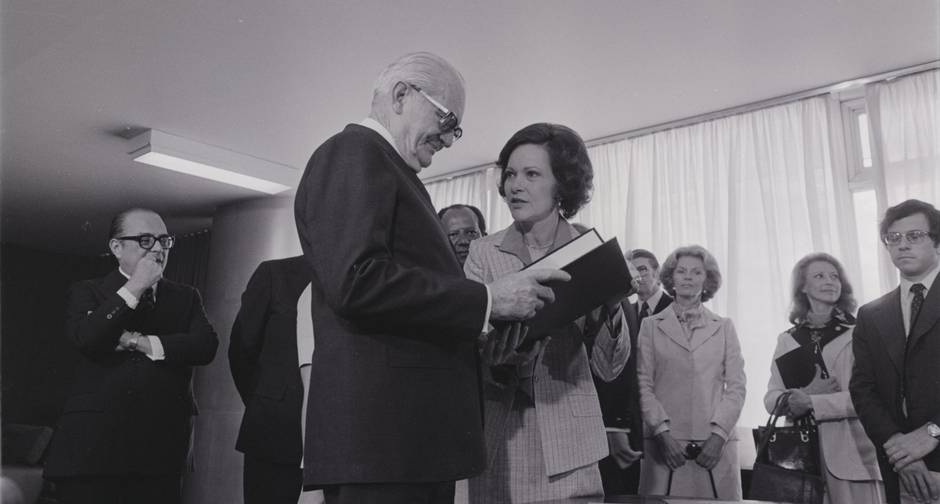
663 427
717 430
489 307
156 349
617 429
128 298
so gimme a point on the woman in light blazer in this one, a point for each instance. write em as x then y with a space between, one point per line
692 386
542 420
821 314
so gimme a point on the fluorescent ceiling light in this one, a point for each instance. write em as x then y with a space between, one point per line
175 153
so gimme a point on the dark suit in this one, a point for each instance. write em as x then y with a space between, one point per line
885 363
263 358
394 387
126 414
620 404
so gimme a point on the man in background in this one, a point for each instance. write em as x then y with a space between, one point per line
395 376
896 379
463 224
124 435
620 399
269 355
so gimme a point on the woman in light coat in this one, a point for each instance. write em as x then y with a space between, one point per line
692 386
822 306
542 419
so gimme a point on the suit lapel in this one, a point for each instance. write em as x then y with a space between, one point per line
928 317
890 328
702 334
664 301
669 324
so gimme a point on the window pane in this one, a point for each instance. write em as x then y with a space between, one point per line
863 141
866 218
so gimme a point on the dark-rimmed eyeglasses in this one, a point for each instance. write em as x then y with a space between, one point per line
912 237
147 241
447 121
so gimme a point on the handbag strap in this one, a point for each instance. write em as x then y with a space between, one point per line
772 422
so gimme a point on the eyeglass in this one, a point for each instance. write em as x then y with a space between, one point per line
913 237
147 241
448 120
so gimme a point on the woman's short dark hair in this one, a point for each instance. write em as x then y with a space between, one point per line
799 303
913 207
712 273
568 156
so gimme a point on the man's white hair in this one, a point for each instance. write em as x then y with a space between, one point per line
425 70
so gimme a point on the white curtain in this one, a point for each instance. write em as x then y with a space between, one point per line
905 137
759 190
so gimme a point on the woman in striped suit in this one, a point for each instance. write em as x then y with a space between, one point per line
543 423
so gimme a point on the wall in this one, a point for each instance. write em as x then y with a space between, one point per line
37 360
243 235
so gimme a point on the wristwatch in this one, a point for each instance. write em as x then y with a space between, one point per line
933 430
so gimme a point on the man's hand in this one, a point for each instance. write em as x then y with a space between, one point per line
502 346
711 452
147 272
917 481
519 295
620 451
671 450
905 449
124 342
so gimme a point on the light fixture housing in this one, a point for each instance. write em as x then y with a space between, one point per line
157 148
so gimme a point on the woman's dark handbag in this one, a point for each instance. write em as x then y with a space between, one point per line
787 467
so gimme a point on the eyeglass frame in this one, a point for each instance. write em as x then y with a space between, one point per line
162 238
917 234
447 122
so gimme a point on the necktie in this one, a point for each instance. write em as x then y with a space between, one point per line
644 310
147 299
918 301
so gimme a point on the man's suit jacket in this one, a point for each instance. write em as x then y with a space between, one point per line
263 358
394 386
886 361
620 399
569 416
126 413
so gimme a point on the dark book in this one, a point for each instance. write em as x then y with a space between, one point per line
598 274
798 366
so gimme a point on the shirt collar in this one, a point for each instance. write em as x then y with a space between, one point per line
653 300
927 281
377 127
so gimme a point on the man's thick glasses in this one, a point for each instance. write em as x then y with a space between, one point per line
147 241
448 120
913 237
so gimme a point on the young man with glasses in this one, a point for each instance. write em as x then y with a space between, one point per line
124 434
394 411
895 384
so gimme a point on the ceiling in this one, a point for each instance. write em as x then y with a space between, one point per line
275 79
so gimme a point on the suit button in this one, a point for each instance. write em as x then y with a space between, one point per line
109 316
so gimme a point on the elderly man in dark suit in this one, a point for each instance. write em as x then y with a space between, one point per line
620 399
395 411
895 383
124 435
270 345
